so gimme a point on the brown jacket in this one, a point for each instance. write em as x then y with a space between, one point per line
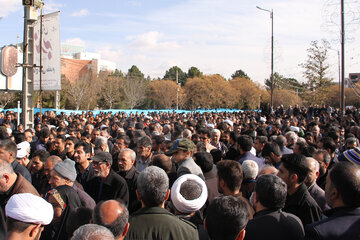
21 185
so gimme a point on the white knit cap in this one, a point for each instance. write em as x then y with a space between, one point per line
28 208
188 206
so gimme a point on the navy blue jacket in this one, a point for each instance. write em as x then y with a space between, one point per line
250 156
341 224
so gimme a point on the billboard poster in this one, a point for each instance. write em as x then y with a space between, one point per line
11 81
51 70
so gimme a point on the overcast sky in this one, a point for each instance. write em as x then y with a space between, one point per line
216 36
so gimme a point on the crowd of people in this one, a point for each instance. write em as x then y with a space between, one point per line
283 174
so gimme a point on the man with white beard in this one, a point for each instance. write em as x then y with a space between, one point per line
106 184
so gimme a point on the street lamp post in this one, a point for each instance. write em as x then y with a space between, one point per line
272 54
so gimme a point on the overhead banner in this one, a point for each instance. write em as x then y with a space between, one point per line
51 70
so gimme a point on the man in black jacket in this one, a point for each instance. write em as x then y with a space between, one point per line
152 221
269 221
106 184
127 170
342 194
299 202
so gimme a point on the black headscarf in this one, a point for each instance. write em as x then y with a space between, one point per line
70 201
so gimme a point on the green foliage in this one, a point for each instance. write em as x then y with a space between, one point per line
281 82
194 72
316 71
117 73
240 73
134 72
171 74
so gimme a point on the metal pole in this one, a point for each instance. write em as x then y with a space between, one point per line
342 60
41 66
18 115
338 52
57 99
272 59
177 90
28 75
272 55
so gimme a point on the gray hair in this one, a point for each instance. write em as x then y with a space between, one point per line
5 167
325 154
153 185
311 160
215 131
281 141
167 126
187 133
273 138
268 169
91 126
292 136
250 169
301 140
118 225
132 153
92 232
100 141
54 159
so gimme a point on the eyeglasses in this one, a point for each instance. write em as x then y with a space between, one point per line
98 163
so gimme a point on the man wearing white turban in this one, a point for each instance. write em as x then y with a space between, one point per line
188 196
26 215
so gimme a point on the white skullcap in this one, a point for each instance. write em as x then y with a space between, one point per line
22 149
294 129
262 119
229 122
188 206
210 125
28 208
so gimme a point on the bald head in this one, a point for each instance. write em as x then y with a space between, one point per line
50 163
313 173
53 159
162 161
112 215
110 211
268 169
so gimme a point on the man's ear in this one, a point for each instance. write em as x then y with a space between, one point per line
12 155
34 230
256 197
126 229
222 183
334 193
294 178
7 177
138 195
167 195
205 223
241 235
